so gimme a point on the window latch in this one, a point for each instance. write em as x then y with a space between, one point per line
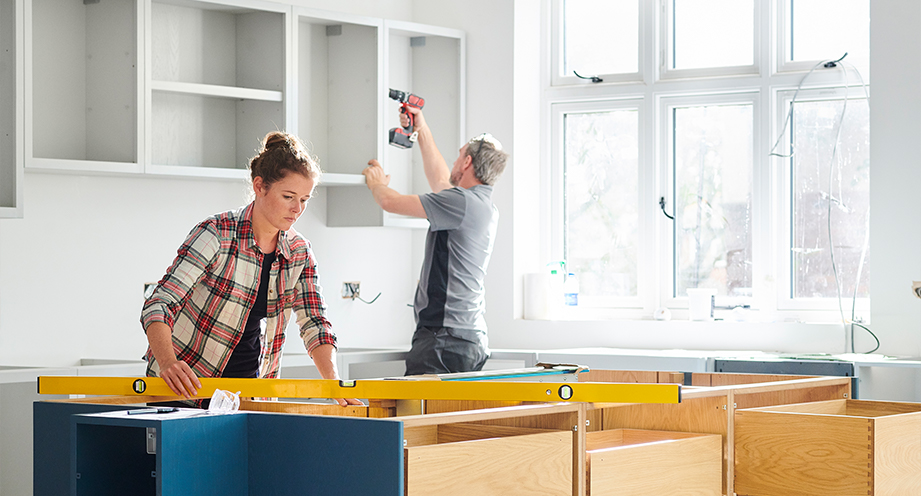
662 206
595 79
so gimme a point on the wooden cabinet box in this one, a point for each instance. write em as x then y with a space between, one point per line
465 459
708 406
642 462
837 447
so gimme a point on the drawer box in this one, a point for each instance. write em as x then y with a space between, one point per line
838 447
642 462
483 460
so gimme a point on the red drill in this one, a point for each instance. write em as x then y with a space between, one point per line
404 137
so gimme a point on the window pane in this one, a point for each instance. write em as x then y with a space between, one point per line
601 202
712 33
826 29
846 190
600 37
713 199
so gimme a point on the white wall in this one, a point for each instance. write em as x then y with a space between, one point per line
895 174
72 270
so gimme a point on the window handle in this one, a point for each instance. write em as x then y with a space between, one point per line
595 79
662 206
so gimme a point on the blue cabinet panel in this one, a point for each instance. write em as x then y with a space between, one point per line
300 454
51 444
103 451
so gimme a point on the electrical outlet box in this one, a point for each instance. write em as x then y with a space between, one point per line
351 290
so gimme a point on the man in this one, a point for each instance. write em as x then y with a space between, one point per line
450 302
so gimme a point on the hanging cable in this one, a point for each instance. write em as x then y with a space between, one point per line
866 245
786 121
835 159
871 334
831 178
830 197
359 298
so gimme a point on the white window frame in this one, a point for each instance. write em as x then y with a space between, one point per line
824 308
781 21
765 86
558 112
557 77
666 40
665 106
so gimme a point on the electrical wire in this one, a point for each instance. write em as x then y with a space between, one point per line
786 121
835 158
871 334
831 180
825 63
866 244
832 162
359 298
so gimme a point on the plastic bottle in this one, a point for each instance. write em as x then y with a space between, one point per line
555 290
571 290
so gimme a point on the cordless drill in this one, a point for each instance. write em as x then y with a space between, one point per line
404 137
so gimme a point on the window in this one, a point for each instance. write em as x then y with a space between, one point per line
711 33
828 187
712 184
681 168
600 221
600 39
814 30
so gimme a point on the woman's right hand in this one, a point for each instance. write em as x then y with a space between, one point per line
180 378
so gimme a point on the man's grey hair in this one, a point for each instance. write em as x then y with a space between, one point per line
488 158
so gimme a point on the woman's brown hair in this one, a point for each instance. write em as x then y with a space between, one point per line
280 154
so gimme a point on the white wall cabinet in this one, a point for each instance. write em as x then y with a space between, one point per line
429 62
340 95
346 66
83 82
190 87
217 84
11 108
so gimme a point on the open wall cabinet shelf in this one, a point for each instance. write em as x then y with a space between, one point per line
190 87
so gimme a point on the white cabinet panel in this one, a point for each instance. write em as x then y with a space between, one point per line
11 107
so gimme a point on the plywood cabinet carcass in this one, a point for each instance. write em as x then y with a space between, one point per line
838 447
631 462
499 447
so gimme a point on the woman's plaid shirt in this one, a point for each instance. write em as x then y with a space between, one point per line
208 291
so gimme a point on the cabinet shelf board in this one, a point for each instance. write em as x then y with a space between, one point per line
328 17
404 28
202 172
337 179
73 165
392 220
218 91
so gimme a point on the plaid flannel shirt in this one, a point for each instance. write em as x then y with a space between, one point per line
208 291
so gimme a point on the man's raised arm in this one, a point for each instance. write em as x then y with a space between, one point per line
436 169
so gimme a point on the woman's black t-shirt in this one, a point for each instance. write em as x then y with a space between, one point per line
244 361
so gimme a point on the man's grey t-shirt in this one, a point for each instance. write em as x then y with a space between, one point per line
457 249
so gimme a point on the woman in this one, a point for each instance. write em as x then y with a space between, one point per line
223 305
